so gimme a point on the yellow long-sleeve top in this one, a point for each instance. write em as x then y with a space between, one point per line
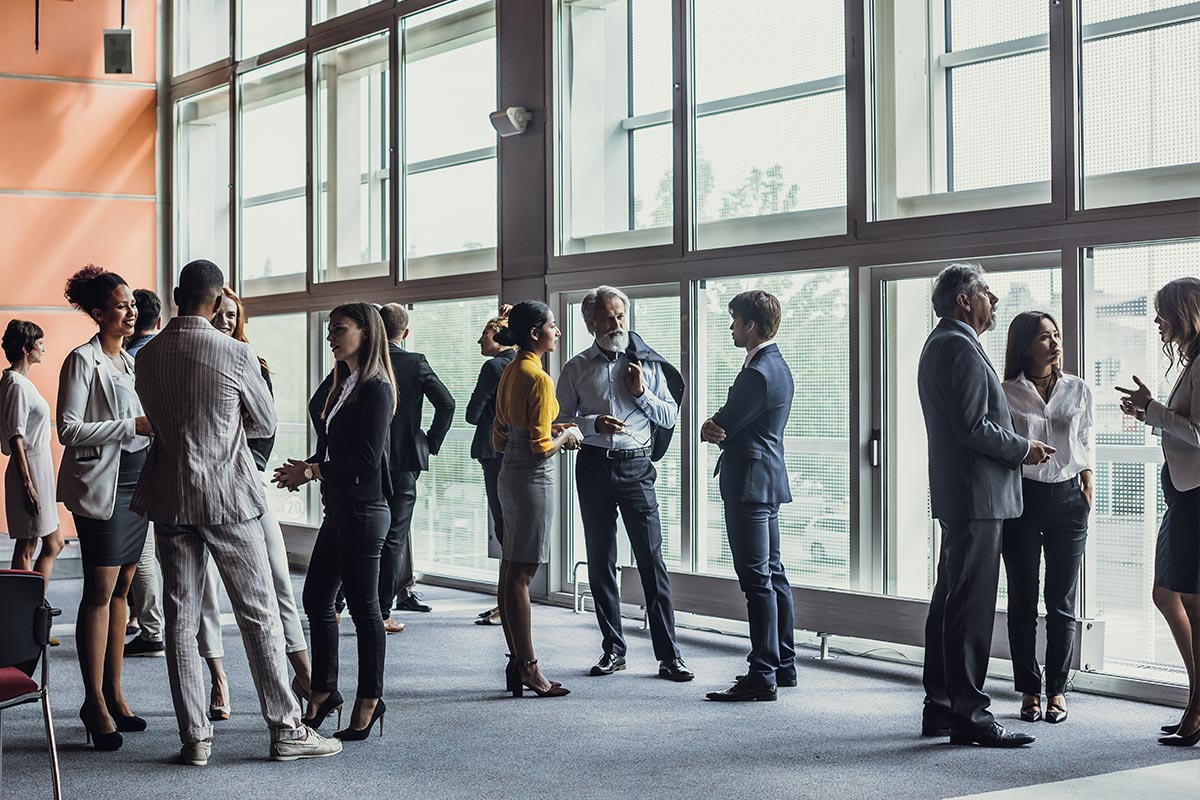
525 400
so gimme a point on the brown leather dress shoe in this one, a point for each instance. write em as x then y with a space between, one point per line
391 626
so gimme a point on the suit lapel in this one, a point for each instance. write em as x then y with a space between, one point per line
106 383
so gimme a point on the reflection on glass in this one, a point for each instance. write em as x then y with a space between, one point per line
352 160
913 538
282 341
201 199
1138 141
449 146
615 151
273 165
770 143
267 24
450 523
328 9
958 106
201 33
1122 340
814 340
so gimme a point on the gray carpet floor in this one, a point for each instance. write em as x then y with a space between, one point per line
848 731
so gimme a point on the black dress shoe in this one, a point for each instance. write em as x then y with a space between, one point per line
675 670
742 692
935 721
411 603
608 664
992 736
782 679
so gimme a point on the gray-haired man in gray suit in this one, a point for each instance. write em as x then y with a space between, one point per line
204 394
975 463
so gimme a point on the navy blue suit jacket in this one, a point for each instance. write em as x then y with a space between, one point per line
754 416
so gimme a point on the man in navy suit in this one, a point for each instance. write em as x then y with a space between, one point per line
975 461
754 482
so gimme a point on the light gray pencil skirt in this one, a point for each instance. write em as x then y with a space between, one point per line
526 488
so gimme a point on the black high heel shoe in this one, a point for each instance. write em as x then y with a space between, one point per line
332 703
1170 730
555 690
359 734
130 724
512 676
105 742
1182 741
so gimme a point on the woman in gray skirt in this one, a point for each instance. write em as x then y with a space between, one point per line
524 431
1177 556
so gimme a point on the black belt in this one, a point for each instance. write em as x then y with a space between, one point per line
619 455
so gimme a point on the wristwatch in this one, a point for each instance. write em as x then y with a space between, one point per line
308 472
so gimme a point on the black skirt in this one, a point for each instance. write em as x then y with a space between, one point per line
1177 554
119 539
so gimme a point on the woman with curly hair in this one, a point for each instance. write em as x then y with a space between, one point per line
105 435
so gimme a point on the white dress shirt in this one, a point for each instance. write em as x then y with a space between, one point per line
591 385
1065 423
752 352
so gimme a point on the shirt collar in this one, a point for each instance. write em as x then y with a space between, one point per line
750 354
595 351
964 326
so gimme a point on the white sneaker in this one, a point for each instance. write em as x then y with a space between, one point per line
313 745
196 754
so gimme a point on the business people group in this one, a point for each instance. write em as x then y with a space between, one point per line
181 442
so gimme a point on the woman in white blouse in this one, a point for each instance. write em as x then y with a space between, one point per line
1177 553
30 510
1053 407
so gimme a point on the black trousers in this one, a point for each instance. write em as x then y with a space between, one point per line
396 562
753 530
606 485
346 554
958 630
491 476
1055 522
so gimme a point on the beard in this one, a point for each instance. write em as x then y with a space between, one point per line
614 342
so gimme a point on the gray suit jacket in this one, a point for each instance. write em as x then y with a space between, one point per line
204 394
974 455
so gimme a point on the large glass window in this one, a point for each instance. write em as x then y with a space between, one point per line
265 24
352 163
615 151
657 320
328 9
912 536
450 524
959 106
814 340
449 146
201 198
282 341
273 162
201 33
1121 341
770 121
1139 91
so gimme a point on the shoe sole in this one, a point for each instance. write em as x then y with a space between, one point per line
599 673
306 755
194 763
679 679
155 654
769 699
966 740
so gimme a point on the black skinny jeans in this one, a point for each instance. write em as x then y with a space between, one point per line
1056 522
346 554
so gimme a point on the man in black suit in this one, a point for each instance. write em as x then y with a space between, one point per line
409 451
749 430
975 462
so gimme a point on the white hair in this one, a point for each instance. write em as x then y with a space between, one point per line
958 278
595 296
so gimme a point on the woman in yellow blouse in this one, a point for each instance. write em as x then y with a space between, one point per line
524 431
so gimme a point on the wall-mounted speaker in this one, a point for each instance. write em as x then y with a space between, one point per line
118 52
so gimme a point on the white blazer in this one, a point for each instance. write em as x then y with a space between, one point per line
90 432
1179 421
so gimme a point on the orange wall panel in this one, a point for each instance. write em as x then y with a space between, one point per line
76 137
64 332
72 37
48 238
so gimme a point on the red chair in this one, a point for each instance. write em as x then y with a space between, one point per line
23 639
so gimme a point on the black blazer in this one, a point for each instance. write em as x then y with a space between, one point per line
411 447
754 416
261 448
356 443
481 408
